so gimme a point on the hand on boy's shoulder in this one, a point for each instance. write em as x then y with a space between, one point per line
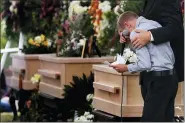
140 38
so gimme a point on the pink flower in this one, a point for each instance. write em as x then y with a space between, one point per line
66 26
28 103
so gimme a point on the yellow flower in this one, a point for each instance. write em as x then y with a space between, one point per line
38 45
45 43
30 41
38 39
33 43
42 37
35 78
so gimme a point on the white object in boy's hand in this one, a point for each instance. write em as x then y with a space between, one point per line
119 60
106 63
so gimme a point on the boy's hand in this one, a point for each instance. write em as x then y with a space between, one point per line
120 67
122 39
141 39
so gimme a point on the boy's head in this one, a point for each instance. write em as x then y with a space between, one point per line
127 20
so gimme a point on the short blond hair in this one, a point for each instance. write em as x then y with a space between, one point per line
125 17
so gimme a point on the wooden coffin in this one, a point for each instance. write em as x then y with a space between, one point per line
58 71
27 63
108 88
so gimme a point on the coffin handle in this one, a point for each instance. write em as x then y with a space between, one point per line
106 87
49 73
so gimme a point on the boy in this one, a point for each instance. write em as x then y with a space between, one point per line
155 62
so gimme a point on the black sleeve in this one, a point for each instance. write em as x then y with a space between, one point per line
172 24
167 33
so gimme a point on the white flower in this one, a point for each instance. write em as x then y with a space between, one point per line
11 8
133 58
75 46
127 53
77 119
104 24
75 7
34 80
86 113
3 26
49 42
90 116
68 48
86 117
82 42
123 3
73 40
71 8
89 97
112 49
79 10
38 39
83 118
15 10
105 6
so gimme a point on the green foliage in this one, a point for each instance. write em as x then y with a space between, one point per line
75 95
35 111
88 27
82 25
73 53
38 50
113 3
108 33
133 5
3 36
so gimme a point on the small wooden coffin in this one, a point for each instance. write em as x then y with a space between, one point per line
108 88
58 71
27 63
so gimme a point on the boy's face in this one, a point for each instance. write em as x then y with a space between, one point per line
129 24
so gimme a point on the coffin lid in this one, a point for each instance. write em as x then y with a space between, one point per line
54 59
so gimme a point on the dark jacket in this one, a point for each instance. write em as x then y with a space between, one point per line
168 13
3 86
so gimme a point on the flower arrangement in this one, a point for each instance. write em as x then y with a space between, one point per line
39 17
12 14
75 31
103 19
96 13
77 9
39 45
86 117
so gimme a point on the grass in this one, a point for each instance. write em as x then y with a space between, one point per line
7 116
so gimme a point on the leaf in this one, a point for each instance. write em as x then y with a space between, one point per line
75 93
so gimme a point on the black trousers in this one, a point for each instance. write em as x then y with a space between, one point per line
159 94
